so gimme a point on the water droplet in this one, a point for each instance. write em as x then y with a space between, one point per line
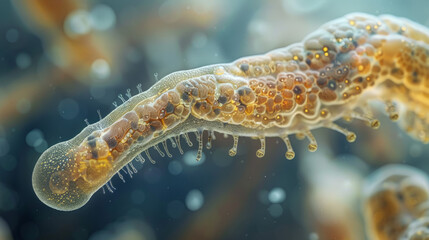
194 200
275 210
12 35
189 158
277 195
100 69
175 167
23 60
102 17
77 23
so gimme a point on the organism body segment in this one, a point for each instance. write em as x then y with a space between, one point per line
331 74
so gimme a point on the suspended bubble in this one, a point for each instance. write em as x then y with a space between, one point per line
137 196
4 231
277 195
175 167
12 35
194 200
189 158
175 209
100 69
68 108
23 60
41 146
102 17
77 23
33 136
313 236
275 210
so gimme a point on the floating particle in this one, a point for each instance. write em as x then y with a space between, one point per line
102 17
33 136
68 108
277 195
77 23
100 69
275 210
12 35
175 167
194 200
23 60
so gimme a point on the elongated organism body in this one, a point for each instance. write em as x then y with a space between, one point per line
331 74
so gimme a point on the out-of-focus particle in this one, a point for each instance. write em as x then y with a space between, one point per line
68 108
313 236
100 69
77 23
4 230
189 158
175 167
33 136
194 200
275 210
277 195
12 35
23 60
102 17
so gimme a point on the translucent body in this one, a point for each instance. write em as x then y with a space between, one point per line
396 202
332 73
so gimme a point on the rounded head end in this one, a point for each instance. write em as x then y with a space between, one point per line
55 182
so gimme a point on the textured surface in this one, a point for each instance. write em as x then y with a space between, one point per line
331 74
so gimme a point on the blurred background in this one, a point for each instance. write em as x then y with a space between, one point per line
61 61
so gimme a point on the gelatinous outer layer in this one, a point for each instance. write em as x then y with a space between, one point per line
396 203
304 86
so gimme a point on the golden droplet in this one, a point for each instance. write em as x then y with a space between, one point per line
351 137
260 153
290 155
312 147
375 124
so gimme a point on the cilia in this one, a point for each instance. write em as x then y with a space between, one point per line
333 73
